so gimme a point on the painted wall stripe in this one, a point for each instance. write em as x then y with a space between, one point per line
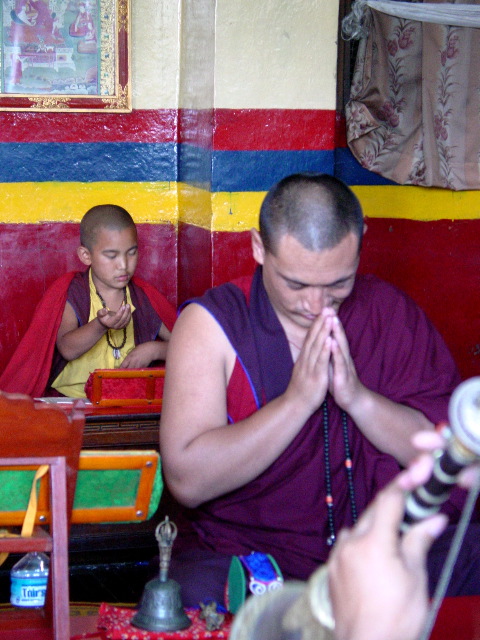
239 211
31 202
164 201
273 129
418 203
131 161
234 129
238 170
139 126
114 161
87 162
259 170
348 169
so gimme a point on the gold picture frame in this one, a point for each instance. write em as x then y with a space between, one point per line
65 55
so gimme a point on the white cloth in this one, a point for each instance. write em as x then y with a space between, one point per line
458 15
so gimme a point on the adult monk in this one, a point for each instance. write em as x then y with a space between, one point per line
291 396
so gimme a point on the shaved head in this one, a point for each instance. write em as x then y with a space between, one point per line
317 209
103 216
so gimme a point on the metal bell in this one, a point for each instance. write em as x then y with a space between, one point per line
161 606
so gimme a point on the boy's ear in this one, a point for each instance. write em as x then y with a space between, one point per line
84 254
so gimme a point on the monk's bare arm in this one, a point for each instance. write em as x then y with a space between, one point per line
387 424
203 457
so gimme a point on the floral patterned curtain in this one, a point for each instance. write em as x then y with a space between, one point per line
414 109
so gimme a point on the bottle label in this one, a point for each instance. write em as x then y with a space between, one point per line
28 592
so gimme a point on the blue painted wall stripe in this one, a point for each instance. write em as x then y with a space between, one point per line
161 162
88 162
348 169
259 170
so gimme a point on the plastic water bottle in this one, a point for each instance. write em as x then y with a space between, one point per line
29 580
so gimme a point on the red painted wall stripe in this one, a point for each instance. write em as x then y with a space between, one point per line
234 129
138 126
274 129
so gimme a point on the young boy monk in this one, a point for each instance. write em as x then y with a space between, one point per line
100 318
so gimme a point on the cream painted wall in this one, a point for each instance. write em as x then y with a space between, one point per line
276 54
155 51
270 54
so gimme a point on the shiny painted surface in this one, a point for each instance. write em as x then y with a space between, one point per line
160 202
139 126
87 162
194 261
231 129
274 129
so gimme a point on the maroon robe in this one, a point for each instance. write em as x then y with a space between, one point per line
397 353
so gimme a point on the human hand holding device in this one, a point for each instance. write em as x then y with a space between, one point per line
462 449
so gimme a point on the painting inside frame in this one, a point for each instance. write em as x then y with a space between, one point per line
64 55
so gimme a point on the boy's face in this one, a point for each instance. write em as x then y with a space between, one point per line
113 257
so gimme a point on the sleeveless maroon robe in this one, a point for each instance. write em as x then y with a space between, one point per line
397 353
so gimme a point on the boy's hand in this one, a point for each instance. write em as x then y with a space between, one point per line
143 355
115 319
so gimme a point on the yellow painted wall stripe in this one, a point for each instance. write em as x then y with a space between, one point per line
418 203
34 202
168 202
239 211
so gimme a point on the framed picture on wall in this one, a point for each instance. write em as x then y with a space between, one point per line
65 55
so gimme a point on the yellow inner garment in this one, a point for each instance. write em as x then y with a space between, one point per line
71 381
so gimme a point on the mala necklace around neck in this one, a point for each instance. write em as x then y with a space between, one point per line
115 348
328 472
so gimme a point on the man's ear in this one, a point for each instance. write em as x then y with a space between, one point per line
84 254
258 250
365 227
